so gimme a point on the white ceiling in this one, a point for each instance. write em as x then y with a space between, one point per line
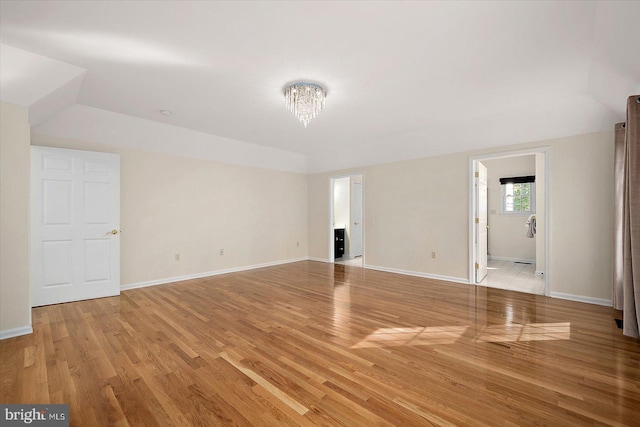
404 79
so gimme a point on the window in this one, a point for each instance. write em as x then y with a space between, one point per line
518 195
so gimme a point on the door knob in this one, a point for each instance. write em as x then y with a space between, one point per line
114 231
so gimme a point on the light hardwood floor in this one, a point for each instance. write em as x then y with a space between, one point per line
311 343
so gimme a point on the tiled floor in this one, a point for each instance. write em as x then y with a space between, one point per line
353 262
513 276
501 274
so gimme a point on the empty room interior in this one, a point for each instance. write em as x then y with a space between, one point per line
345 213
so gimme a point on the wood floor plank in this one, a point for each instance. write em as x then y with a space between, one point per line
311 343
292 403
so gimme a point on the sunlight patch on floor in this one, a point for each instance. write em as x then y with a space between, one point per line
441 335
529 332
395 337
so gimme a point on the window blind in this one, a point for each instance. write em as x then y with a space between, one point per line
518 179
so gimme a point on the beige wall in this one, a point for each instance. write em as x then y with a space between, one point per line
341 197
581 220
196 207
176 205
15 307
409 211
415 207
507 232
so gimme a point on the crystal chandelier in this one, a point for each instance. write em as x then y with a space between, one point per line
305 100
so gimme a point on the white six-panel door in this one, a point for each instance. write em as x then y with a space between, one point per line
75 220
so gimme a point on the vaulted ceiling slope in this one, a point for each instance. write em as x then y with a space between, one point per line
404 79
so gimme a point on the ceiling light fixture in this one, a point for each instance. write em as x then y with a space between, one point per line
305 100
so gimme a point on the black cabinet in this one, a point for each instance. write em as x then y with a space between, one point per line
338 244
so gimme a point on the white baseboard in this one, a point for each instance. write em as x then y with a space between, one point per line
504 258
419 274
580 298
27 329
16 332
207 274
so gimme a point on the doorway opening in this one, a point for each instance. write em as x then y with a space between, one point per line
346 220
509 223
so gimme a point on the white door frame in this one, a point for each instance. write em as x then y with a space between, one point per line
481 240
353 224
331 256
473 161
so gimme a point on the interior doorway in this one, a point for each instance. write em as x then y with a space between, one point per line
346 223
508 220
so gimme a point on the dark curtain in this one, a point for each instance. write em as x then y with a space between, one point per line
627 250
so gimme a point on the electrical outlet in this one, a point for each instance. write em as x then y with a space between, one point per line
221 251
177 257
434 255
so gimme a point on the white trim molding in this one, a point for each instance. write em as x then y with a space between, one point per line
207 274
16 332
419 274
580 298
318 259
504 258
